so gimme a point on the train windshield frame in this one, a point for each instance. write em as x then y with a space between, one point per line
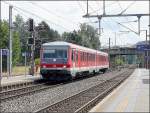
55 53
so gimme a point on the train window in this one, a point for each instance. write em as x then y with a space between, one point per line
72 55
92 57
87 57
76 56
83 57
55 53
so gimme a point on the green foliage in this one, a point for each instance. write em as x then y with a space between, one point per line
4 33
45 34
19 26
22 32
86 36
4 39
16 48
72 37
37 61
119 61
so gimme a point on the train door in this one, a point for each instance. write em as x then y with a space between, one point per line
73 62
76 58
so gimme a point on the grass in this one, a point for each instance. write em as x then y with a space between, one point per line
20 70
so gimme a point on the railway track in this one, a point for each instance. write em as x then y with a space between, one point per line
15 93
28 89
21 85
83 101
25 84
18 90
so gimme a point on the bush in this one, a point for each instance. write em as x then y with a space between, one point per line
37 61
119 62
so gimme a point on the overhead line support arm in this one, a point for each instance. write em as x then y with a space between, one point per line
122 15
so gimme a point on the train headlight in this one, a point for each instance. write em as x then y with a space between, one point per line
64 66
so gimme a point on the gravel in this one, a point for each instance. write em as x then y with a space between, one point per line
33 102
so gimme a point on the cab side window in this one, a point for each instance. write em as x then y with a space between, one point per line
76 56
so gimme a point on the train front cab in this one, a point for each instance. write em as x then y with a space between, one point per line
55 63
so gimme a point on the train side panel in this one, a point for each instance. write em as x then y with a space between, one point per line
80 61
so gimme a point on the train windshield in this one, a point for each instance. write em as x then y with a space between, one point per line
55 53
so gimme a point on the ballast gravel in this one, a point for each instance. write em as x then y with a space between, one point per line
31 103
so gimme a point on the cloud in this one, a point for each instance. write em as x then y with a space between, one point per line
67 15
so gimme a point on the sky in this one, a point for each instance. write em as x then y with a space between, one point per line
68 15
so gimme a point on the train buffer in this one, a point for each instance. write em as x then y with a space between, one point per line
131 96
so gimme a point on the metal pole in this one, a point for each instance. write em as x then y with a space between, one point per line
146 63
32 53
0 11
25 63
139 24
115 39
149 42
109 54
7 62
1 71
99 20
87 7
10 40
104 7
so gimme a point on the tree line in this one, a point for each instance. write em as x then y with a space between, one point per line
86 36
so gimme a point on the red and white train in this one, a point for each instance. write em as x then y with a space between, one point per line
62 60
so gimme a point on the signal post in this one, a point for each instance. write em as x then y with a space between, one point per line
31 42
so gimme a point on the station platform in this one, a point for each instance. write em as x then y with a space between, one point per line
18 79
131 96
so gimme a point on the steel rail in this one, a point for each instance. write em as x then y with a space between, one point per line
28 92
95 100
23 89
45 109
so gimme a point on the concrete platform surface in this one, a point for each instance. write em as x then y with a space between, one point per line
131 96
18 79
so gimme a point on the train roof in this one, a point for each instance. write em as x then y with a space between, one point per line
62 43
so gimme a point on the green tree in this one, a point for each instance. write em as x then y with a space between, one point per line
44 34
119 61
72 37
4 33
16 48
89 36
86 36
20 26
4 41
47 34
